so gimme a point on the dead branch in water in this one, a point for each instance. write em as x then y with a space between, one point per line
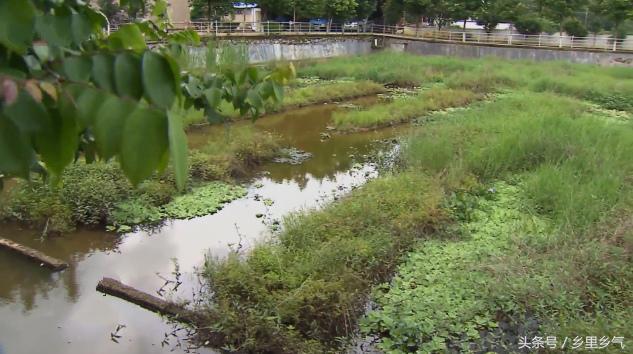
44 260
166 308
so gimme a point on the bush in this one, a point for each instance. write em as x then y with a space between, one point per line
37 204
529 24
573 27
92 191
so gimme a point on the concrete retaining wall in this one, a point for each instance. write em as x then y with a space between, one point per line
262 50
478 51
295 48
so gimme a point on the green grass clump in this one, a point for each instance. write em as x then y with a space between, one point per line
560 252
301 292
232 151
327 92
404 109
388 68
85 195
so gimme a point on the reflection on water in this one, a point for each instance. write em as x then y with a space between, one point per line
44 312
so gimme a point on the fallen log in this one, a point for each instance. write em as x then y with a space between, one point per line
41 258
149 302
166 308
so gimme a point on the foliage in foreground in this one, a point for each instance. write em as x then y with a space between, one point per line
67 88
300 293
555 249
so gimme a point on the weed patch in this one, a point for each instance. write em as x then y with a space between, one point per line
301 292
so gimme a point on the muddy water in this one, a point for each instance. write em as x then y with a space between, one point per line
44 312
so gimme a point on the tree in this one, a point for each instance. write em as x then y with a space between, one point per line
559 10
275 8
365 8
210 9
340 9
529 24
392 11
69 91
492 12
439 12
617 11
467 9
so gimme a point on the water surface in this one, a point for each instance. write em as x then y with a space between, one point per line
45 312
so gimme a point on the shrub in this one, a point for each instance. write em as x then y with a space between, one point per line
38 204
573 27
91 191
529 24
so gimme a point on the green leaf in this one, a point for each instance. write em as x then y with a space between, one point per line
127 76
214 96
128 36
78 69
16 24
256 100
159 81
55 29
103 71
160 7
58 144
187 36
87 100
109 123
143 144
15 152
178 149
82 27
278 90
27 114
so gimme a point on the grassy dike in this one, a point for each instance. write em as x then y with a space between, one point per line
518 214
98 194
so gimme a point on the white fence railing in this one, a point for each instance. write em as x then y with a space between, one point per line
214 28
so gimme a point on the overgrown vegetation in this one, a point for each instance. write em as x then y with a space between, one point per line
300 293
403 109
518 210
98 194
610 86
554 247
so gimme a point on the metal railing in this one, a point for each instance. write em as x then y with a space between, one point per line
264 28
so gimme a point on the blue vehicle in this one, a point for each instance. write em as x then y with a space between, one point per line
318 24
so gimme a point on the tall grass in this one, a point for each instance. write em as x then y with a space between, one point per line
232 152
403 109
297 295
327 92
574 173
610 87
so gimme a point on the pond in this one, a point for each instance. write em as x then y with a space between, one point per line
44 312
